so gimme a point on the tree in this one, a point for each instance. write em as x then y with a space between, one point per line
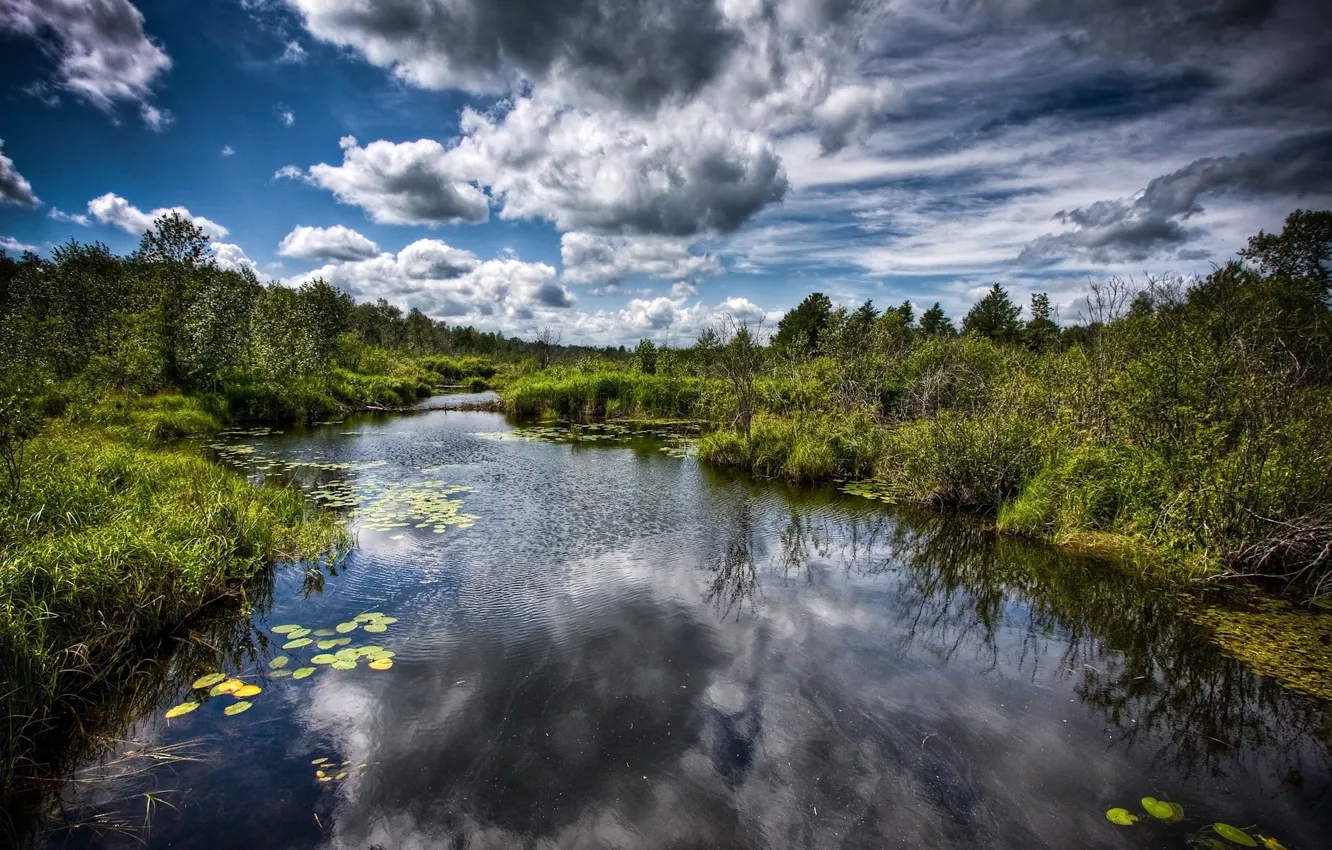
802 329
908 314
861 321
170 254
19 423
934 322
735 357
1302 250
645 357
1041 333
995 317
546 343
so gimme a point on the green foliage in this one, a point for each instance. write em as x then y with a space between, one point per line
994 317
645 357
579 394
801 330
935 322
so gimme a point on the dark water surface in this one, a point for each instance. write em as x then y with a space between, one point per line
625 650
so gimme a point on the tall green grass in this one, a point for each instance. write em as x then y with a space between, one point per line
576 394
114 540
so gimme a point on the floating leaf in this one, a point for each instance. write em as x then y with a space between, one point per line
375 628
208 681
282 630
226 687
298 633
1121 817
1176 813
342 775
279 662
323 658
1157 809
279 674
320 774
247 691
297 644
343 664
237 708
388 621
1271 843
345 627
183 708
324 632
371 649
347 654
342 641
1230 833
326 644
302 673
320 760
381 664
366 618
325 779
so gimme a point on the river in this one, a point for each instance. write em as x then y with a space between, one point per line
603 644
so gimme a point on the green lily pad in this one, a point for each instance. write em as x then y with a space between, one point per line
343 641
388 621
326 644
297 644
343 664
320 760
208 681
302 673
237 708
1121 817
183 708
345 627
1157 808
298 633
324 632
323 658
375 628
282 630
279 662
347 654
1231 833
279 674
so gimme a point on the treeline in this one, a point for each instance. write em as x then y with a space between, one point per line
1191 419
167 316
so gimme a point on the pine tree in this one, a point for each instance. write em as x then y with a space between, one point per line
935 322
995 317
1041 333
801 330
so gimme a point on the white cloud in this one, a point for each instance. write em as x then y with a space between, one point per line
103 55
294 54
232 258
290 172
326 243
156 119
285 114
447 282
73 218
116 211
408 183
14 188
13 246
590 258
228 150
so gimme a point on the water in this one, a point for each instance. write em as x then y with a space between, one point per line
628 650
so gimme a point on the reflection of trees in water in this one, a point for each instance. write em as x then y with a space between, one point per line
1155 676
734 575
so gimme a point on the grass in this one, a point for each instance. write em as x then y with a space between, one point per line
577 394
115 539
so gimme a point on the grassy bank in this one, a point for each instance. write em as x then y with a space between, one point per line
603 390
113 539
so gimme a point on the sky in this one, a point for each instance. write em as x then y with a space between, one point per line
625 169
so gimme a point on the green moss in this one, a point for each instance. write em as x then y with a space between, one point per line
1290 644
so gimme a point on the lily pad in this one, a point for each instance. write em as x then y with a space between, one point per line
282 630
343 664
208 681
343 628
323 658
279 674
302 673
388 621
342 641
297 644
320 760
237 708
279 662
183 708
298 633
375 628
229 686
381 664
1121 817
247 691
326 644
1234 834
342 775
324 632
1157 809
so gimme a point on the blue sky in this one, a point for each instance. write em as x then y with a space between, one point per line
627 168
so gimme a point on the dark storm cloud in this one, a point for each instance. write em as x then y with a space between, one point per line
638 51
1142 227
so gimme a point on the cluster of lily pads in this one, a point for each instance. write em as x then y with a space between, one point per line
867 490
326 770
1206 838
391 506
678 437
218 684
343 656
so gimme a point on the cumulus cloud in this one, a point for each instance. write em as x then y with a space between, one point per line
293 54
408 183
232 258
448 282
284 114
591 258
13 246
14 188
58 214
116 211
101 52
326 243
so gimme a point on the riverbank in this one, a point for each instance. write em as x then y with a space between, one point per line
115 537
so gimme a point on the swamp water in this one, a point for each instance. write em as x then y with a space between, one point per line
540 643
